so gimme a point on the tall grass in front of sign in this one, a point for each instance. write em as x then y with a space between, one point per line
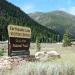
44 68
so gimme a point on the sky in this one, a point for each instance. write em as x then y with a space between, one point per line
31 6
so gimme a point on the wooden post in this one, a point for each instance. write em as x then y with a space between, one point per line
9 47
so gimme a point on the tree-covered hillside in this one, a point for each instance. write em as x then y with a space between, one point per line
59 21
10 14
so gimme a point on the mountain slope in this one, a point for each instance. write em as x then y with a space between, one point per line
10 14
56 20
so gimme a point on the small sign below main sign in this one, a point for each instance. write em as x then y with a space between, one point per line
19 40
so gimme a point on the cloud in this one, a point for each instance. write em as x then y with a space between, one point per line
27 7
70 10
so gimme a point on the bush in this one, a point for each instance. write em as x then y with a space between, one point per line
66 40
1 52
38 47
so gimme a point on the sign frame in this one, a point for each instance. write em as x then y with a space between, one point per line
19 43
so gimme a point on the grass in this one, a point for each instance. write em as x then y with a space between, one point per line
67 53
63 66
43 68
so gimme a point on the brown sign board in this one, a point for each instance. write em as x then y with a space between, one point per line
19 40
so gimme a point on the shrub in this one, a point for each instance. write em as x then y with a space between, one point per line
1 52
38 47
66 40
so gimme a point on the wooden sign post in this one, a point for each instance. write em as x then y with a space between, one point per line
19 40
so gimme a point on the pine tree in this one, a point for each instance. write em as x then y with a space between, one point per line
66 40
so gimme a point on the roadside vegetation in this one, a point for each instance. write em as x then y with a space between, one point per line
63 66
2 52
42 68
66 40
38 44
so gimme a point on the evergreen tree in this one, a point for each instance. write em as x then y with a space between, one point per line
66 40
12 15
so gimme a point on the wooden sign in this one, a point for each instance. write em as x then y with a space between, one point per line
19 40
19 31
